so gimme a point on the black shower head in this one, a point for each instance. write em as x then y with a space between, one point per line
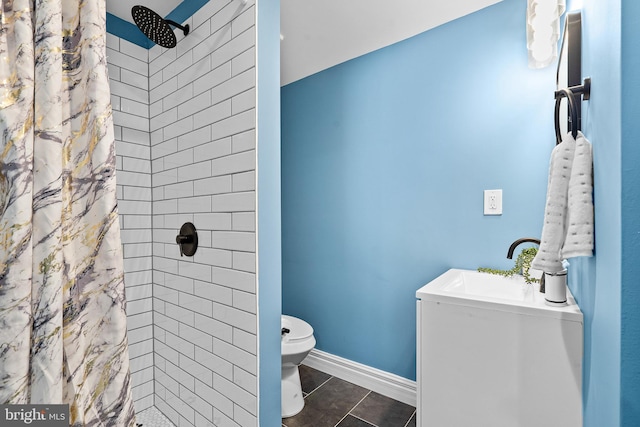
155 27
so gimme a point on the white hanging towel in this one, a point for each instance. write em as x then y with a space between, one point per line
579 239
549 258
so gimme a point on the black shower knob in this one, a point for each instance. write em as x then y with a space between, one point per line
187 240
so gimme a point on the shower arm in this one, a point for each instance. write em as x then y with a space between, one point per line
184 28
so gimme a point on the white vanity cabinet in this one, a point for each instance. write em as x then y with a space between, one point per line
491 353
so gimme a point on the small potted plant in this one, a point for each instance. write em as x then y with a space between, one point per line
522 266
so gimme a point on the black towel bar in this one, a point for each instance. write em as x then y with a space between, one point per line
580 92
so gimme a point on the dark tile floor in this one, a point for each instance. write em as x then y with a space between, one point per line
332 402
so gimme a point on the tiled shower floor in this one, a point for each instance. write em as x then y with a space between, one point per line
329 402
152 417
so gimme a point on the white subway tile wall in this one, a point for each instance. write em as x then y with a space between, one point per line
185 124
128 72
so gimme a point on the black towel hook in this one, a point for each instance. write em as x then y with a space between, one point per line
581 92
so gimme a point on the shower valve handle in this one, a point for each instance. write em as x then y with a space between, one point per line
180 239
187 240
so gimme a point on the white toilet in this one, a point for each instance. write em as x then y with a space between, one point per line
296 342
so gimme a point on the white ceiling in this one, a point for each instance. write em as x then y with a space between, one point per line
318 34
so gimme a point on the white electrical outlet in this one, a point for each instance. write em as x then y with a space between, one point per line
493 202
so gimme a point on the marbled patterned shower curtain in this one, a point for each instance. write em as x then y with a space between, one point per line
63 336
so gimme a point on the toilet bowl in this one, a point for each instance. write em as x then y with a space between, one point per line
296 343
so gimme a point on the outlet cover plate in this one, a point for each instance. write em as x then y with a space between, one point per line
493 202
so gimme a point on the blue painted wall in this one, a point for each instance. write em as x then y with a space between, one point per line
596 281
384 163
269 230
630 337
126 30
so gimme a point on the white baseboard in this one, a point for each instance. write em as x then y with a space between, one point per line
384 383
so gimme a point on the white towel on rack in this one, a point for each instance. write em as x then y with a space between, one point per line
549 258
579 239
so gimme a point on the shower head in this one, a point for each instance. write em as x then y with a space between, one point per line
155 27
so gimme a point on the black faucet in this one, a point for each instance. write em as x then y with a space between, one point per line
515 244
513 247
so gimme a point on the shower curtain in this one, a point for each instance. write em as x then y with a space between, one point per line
63 335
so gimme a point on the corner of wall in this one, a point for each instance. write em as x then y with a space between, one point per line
269 211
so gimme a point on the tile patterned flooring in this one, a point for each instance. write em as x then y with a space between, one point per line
329 402
332 402
152 417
